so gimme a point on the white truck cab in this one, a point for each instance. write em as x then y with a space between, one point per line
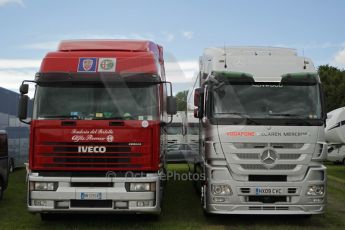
262 142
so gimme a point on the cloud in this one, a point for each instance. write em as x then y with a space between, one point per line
169 37
340 58
15 77
14 71
51 45
7 2
313 45
188 34
19 63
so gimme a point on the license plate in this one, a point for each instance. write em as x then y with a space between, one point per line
90 195
268 191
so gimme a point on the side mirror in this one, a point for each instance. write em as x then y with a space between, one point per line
24 89
171 105
23 107
197 96
198 113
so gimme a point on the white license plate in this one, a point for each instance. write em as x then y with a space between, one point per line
268 191
91 196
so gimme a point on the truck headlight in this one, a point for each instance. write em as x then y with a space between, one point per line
316 190
142 187
43 186
221 189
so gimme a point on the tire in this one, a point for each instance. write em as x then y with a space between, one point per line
47 216
343 161
11 165
1 190
197 184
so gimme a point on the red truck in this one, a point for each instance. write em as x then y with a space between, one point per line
97 134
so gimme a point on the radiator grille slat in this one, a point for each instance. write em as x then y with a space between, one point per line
68 155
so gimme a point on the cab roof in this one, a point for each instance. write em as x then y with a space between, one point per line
108 45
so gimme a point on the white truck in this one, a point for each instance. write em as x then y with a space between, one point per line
262 140
335 135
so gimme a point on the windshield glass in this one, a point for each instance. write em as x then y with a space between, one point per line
92 102
268 100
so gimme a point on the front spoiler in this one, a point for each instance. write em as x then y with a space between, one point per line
266 210
237 204
66 194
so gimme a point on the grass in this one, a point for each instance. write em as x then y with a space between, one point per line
181 210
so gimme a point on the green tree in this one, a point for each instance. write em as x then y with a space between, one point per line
333 81
181 99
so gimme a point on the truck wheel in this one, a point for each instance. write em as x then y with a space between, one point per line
47 216
11 165
197 183
1 190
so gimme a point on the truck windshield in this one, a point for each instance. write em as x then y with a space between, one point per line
268 100
90 102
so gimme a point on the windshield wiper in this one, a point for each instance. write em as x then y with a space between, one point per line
244 116
108 118
286 115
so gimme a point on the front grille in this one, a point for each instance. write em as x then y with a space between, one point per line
85 166
274 178
92 160
92 184
75 149
78 155
91 204
267 199
264 145
262 167
268 208
256 156
248 156
289 156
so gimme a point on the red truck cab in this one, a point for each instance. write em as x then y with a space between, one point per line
97 134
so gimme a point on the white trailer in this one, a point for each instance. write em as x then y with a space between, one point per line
262 141
335 135
175 139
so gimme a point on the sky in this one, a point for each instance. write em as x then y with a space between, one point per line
31 28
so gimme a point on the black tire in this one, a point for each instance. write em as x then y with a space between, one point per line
11 165
1 190
197 183
48 216
343 161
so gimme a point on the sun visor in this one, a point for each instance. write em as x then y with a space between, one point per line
299 78
233 77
